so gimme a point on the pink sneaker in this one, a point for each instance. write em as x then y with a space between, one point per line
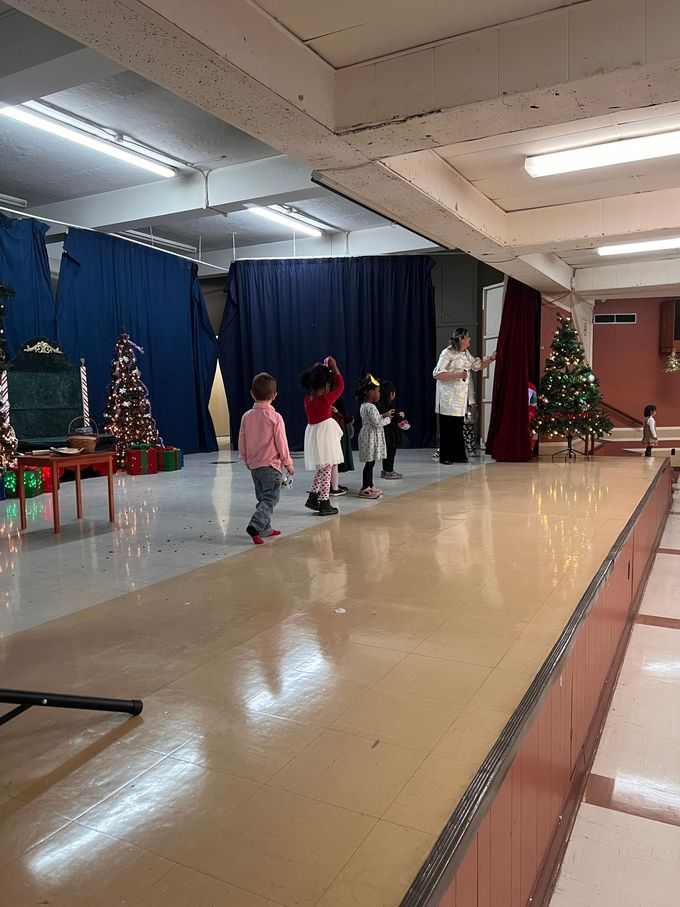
378 491
370 493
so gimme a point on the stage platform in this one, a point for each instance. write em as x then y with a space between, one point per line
394 707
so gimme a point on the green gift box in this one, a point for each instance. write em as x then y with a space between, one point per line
32 483
169 458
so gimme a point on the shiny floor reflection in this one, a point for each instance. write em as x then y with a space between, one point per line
313 708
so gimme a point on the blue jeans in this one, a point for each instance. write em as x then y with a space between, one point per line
267 481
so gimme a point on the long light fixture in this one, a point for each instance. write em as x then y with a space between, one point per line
631 248
23 115
605 154
285 221
13 201
154 240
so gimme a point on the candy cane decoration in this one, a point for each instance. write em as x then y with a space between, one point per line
4 393
83 390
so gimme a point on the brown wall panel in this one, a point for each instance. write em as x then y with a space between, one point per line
501 855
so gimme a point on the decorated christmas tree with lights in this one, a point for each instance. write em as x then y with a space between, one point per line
128 410
8 440
569 398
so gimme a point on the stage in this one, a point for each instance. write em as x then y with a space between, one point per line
329 714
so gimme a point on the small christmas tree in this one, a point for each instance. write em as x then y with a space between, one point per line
127 415
8 442
569 399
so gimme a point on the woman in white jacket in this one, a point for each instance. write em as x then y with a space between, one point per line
452 376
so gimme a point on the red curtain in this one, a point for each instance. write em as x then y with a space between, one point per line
509 437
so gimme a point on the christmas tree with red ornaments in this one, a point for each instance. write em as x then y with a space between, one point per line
569 399
128 409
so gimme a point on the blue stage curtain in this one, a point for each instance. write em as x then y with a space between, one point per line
107 286
372 314
25 267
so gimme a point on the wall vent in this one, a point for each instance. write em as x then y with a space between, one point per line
619 318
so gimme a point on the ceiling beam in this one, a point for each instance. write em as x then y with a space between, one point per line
59 74
585 60
654 277
273 180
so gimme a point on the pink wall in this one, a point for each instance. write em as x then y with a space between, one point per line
628 364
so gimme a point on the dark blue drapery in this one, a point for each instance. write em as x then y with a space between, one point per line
372 314
25 267
109 285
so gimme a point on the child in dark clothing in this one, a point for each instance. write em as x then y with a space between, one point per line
346 423
388 393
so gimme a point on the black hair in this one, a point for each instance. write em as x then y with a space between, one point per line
458 335
650 409
340 406
387 388
316 378
366 384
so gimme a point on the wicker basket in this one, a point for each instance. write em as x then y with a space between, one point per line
84 436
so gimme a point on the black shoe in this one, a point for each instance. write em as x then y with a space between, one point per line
313 500
446 462
326 509
340 490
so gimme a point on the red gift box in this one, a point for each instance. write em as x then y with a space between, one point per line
141 461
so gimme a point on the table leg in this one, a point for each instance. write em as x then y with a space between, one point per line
112 515
22 493
79 495
55 498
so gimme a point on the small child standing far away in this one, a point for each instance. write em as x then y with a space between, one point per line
649 429
263 447
372 445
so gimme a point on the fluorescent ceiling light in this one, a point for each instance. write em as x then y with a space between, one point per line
112 149
154 240
13 201
605 154
630 248
299 216
285 221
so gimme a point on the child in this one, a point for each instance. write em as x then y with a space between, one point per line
372 445
388 392
346 424
324 384
263 447
649 429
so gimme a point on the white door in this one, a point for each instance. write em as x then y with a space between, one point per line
492 309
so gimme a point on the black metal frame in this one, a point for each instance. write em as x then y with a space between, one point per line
570 452
25 699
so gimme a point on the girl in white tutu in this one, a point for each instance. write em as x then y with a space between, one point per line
323 450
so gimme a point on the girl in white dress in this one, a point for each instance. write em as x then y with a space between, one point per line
372 445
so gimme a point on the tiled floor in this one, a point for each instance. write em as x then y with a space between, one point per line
313 708
624 850
166 524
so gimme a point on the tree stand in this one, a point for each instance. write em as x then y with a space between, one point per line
24 699
569 452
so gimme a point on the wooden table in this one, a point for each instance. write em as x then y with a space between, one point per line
64 461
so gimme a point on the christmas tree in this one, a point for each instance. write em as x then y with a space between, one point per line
569 398
8 440
127 415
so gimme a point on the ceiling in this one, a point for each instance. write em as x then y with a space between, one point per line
359 30
422 112
73 184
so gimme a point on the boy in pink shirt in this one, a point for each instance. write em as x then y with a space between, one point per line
263 447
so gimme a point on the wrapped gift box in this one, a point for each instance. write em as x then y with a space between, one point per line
169 458
32 483
140 460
